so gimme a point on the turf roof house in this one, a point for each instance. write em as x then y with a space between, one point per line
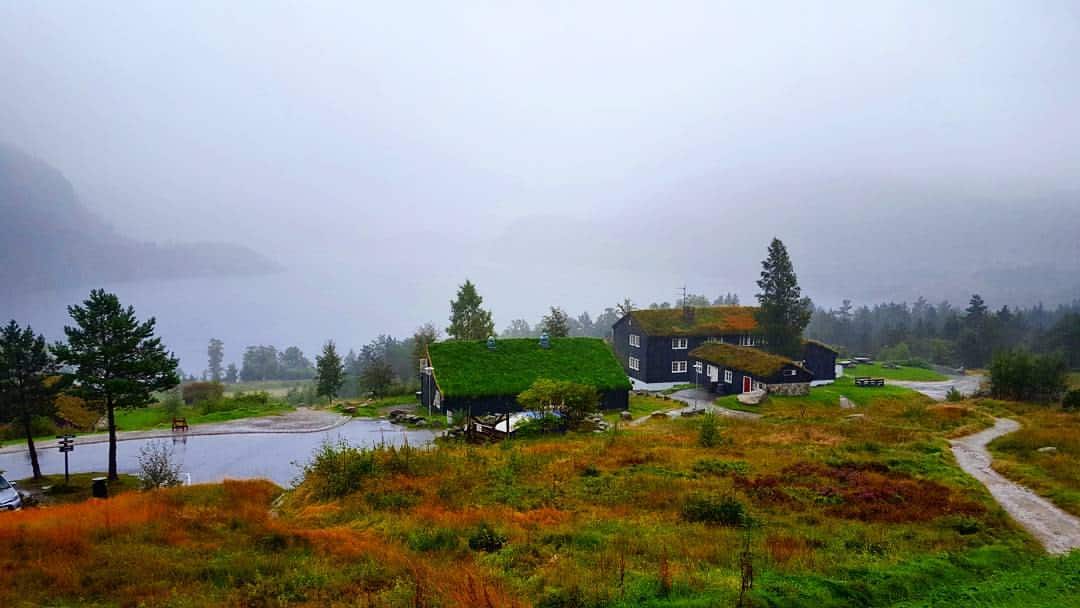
729 369
468 376
654 345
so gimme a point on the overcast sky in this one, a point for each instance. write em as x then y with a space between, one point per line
432 132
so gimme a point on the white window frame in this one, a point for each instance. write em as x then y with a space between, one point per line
680 344
728 376
634 363
678 367
746 340
790 372
699 367
635 340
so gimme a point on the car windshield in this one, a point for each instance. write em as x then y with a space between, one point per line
4 483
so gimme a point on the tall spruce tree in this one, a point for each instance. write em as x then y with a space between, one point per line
330 371
556 323
468 321
118 361
783 313
215 353
25 388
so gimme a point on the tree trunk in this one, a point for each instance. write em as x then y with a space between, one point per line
27 426
113 476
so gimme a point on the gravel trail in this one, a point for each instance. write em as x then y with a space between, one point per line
1058 531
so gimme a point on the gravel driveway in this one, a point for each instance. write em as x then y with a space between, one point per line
1058 531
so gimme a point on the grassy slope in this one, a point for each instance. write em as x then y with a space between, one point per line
914 374
1054 475
826 395
77 489
156 417
863 512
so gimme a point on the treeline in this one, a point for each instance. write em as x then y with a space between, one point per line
946 335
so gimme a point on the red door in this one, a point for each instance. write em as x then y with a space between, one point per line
747 385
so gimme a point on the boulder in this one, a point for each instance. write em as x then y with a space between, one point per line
658 415
1047 449
845 403
752 398
855 416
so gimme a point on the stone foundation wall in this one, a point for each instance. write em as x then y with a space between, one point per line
790 389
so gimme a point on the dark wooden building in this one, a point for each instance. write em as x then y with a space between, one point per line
727 369
653 345
475 378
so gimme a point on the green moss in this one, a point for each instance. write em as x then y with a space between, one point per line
706 321
743 358
465 368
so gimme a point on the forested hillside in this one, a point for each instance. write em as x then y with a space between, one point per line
48 239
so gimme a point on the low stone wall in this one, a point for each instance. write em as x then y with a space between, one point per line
790 389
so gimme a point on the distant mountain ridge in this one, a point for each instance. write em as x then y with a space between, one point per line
48 239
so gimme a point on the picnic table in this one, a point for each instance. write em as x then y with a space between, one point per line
868 381
179 424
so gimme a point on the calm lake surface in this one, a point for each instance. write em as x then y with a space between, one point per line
209 458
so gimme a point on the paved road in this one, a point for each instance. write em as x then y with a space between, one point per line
1058 531
967 385
301 420
698 399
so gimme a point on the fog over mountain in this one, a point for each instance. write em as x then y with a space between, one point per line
565 155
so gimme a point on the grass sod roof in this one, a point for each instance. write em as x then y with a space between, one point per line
707 321
821 344
466 368
744 358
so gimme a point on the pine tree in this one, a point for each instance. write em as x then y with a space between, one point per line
556 324
468 321
118 362
330 371
784 313
215 353
25 391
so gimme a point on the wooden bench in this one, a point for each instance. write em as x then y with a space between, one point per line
179 424
868 381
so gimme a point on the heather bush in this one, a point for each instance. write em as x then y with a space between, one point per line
156 466
486 539
711 509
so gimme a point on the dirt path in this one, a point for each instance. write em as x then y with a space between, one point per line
300 420
1058 531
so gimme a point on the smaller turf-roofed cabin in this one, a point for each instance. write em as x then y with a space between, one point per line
729 369
466 376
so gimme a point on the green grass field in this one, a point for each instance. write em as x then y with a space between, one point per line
913 374
155 416
275 388
1074 380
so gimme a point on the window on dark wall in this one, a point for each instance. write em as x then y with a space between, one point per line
679 343
678 367
634 364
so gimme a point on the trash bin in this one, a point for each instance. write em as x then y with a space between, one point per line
100 487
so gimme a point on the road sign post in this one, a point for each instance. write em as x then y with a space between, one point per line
66 443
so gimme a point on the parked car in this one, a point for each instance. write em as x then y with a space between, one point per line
10 499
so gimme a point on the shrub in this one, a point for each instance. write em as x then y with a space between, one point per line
486 539
712 466
197 392
574 401
954 395
39 425
1022 376
156 466
1071 402
339 469
717 510
709 435
432 539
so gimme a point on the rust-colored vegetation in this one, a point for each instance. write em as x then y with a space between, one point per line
572 520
